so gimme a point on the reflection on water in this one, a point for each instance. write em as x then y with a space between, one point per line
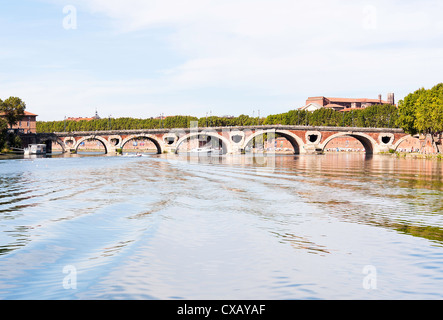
236 227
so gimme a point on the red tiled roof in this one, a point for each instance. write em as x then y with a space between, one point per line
79 119
350 109
346 100
27 113
355 100
316 98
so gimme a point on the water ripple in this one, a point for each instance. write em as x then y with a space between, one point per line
166 227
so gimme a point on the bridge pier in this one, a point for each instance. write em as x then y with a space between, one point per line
312 149
112 150
169 149
48 146
381 149
237 150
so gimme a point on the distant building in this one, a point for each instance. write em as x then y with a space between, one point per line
28 124
345 104
163 117
79 119
95 117
311 106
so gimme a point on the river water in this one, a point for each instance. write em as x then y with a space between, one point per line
335 226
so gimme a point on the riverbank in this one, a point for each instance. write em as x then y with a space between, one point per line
416 155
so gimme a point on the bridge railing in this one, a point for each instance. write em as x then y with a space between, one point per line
256 127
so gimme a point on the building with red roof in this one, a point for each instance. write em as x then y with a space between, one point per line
345 104
28 124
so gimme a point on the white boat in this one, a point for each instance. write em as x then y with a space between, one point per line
35 149
216 151
207 151
201 150
132 155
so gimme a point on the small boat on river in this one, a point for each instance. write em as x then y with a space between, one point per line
133 155
207 151
38 149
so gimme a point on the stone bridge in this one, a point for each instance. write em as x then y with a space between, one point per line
233 140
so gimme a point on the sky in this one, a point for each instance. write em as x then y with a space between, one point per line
144 58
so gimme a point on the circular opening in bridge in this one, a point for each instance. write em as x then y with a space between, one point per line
140 145
70 142
169 140
385 139
236 138
115 141
91 147
313 138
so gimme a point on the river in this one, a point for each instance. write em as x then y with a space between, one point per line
334 226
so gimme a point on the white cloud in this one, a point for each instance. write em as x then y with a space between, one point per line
281 48
253 37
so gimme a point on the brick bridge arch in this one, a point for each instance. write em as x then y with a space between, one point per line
158 144
226 144
400 141
92 137
296 142
369 143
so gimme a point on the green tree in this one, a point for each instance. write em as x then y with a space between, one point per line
3 125
407 109
422 111
429 111
13 109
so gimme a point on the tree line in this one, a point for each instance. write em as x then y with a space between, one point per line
380 116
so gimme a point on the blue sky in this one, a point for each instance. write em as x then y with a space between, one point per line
141 58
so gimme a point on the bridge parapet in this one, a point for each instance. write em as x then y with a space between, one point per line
227 128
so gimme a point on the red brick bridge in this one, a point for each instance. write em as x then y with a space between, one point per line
233 140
